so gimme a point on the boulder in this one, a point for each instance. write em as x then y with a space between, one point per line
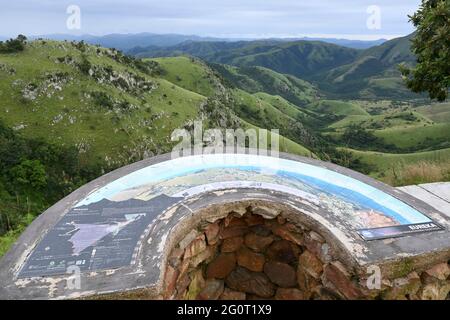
254 283
280 274
221 266
251 260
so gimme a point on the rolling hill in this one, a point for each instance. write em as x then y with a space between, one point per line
339 72
70 111
77 94
302 59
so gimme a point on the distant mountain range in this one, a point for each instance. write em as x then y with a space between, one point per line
339 71
145 41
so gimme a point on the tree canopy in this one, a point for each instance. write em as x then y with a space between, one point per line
431 44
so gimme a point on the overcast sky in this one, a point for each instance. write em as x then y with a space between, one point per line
223 18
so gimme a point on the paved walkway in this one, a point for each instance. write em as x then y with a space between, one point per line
436 195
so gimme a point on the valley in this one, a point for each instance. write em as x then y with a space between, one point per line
71 111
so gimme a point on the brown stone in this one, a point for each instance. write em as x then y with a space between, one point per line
212 233
196 285
305 282
261 230
234 231
440 271
212 290
257 243
281 219
221 266
289 232
231 221
203 256
181 286
265 212
175 257
437 290
321 293
282 251
246 281
232 244
336 273
232 295
191 236
289 294
281 274
254 220
311 264
325 253
251 260
184 267
313 242
196 246
256 297
170 280
404 288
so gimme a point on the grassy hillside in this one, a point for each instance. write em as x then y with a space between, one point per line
373 74
434 136
191 74
82 95
70 112
339 72
260 79
439 112
194 75
339 108
409 168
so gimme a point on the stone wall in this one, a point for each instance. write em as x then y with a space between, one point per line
249 256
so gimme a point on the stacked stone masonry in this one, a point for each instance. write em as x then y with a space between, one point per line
248 256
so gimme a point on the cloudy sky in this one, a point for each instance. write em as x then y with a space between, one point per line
223 18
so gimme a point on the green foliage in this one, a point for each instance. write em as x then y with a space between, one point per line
13 45
102 99
84 65
357 137
431 44
33 175
29 174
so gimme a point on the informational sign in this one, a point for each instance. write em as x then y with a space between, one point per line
105 230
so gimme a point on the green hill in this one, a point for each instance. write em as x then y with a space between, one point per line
70 112
82 95
299 58
438 112
373 74
339 72
194 75
260 79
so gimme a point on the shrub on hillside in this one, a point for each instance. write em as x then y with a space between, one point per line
13 45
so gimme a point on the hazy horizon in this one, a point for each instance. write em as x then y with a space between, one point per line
244 19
